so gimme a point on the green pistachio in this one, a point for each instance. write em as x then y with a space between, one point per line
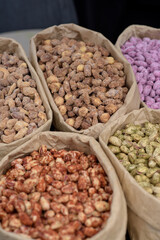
156 190
151 164
149 149
131 129
144 184
142 170
124 149
140 160
122 156
132 157
155 178
114 149
149 189
131 167
144 142
115 141
151 171
136 137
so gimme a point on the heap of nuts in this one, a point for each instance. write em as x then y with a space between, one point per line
21 108
138 148
55 195
87 84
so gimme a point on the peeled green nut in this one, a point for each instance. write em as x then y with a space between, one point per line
134 172
141 150
136 137
155 144
144 155
126 143
117 133
140 133
151 171
156 190
149 149
143 142
124 149
131 129
125 163
153 135
131 167
128 138
139 160
132 157
155 178
114 149
138 178
148 189
115 141
142 170
122 156
151 163
157 160
144 178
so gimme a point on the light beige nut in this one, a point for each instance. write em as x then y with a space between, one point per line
21 133
102 206
19 125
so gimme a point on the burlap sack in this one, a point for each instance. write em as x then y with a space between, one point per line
11 46
80 33
143 208
139 31
115 228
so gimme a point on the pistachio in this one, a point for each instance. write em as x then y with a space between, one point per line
137 147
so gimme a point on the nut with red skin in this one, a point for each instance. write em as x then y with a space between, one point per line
59 197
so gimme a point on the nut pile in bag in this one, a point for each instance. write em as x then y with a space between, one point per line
21 108
138 149
144 55
87 83
53 194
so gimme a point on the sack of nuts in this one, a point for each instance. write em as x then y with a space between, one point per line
132 144
60 186
24 109
139 44
85 79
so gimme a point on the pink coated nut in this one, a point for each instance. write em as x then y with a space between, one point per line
147 90
140 86
158 91
156 73
155 105
150 100
132 53
156 85
153 93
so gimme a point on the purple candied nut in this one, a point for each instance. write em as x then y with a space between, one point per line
134 40
140 87
134 68
154 66
156 85
139 77
157 98
146 39
142 97
150 100
132 53
141 63
153 93
130 60
129 49
147 89
150 83
139 46
151 77
158 91
139 57
156 73
155 105
148 104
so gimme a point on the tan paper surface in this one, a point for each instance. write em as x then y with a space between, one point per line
132 100
143 208
139 31
115 228
11 46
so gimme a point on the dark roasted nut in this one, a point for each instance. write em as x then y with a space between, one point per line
84 74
